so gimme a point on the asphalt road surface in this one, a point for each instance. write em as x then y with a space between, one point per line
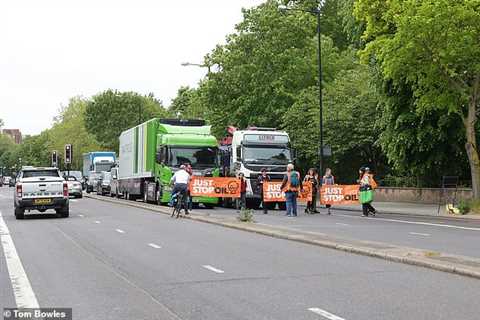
109 261
448 235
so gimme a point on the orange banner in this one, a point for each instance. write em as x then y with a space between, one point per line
339 194
273 193
217 187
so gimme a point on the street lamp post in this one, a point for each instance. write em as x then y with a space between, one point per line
187 64
317 12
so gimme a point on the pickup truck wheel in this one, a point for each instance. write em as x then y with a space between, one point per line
19 213
64 212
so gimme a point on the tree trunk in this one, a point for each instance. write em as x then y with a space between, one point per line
471 145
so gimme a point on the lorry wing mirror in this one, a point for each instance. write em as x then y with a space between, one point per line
159 157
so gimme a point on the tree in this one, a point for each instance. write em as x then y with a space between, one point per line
69 128
188 104
350 117
431 46
111 112
264 66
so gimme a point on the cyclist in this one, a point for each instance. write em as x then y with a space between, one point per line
180 181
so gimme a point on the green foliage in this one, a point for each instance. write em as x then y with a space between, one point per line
464 207
429 59
245 215
69 127
188 104
111 112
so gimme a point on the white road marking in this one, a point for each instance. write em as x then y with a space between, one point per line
325 314
420 234
119 230
153 245
414 222
22 290
81 216
213 269
97 222
343 224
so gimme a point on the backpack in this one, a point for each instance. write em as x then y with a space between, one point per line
294 180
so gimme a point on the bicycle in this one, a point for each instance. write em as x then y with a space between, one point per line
179 202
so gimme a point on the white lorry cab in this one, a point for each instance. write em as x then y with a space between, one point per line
252 149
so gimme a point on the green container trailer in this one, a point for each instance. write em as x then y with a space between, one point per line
151 152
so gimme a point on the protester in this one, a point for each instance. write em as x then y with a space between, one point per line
242 201
263 177
328 179
291 184
367 184
312 177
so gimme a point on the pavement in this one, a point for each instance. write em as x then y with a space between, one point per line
112 261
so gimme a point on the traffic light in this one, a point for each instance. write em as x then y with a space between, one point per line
54 158
68 154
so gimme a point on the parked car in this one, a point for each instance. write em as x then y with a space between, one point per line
77 174
114 187
74 187
92 182
41 189
6 180
103 184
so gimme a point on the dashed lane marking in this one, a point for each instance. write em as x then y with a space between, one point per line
119 230
325 314
155 246
209 267
419 234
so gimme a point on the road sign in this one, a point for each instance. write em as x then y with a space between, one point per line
68 154
54 158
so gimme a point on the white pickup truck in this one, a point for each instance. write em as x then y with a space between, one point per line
40 189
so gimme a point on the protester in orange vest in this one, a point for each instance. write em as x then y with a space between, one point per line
291 184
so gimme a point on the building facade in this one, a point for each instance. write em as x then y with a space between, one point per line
16 134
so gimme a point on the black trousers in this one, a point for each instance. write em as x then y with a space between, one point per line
367 207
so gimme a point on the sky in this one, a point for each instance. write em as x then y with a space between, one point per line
52 50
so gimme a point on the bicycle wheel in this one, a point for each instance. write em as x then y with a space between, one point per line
179 204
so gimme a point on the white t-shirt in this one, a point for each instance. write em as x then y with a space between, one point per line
181 176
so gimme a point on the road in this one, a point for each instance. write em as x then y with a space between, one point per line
447 235
109 261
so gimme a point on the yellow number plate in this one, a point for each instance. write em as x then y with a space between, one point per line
42 201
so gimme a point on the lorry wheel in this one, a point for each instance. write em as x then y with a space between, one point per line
19 213
63 212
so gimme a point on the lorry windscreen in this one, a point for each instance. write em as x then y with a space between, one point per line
99 167
275 155
198 157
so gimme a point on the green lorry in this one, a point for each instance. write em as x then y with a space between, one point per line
152 152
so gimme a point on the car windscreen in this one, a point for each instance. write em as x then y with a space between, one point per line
40 173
